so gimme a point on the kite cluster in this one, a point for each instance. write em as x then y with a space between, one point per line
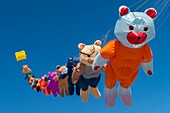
56 82
133 31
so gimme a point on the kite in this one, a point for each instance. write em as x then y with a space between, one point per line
21 55
133 30
84 73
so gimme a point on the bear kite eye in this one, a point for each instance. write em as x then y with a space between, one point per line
145 28
131 27
88 55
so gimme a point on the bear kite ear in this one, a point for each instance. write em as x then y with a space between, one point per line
151 12
58 66
70 58
123 10
98 43
49 73
81 46
25 66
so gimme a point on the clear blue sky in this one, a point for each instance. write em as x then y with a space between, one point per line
49 31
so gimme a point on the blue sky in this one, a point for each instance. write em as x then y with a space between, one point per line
49 32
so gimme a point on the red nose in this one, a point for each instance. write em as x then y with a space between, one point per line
136 37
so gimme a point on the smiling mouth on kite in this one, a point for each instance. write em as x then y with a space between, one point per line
136 37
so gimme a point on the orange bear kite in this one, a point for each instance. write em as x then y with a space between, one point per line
134 30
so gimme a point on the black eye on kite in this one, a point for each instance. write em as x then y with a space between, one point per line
131 27
145 28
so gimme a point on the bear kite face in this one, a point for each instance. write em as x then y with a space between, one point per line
89 52
72 62
52 75
135 29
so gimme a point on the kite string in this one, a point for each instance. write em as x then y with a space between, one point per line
162 15
163 22
141 5
150 4
104 37
135 3
157 3
163 8
161 4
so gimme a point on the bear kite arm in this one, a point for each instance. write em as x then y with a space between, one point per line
147 62
105 53
99 61
148 67
77 72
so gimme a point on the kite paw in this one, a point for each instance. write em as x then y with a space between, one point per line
110 97
125 95
84 95
95 92
96 68
149 72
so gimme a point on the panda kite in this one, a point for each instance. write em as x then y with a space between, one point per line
133 31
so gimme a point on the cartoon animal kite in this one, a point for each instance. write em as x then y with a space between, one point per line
83 71
133 30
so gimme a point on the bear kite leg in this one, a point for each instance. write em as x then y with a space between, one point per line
84 89
125 95
110 89
78 88
124 90
94 89
66 88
